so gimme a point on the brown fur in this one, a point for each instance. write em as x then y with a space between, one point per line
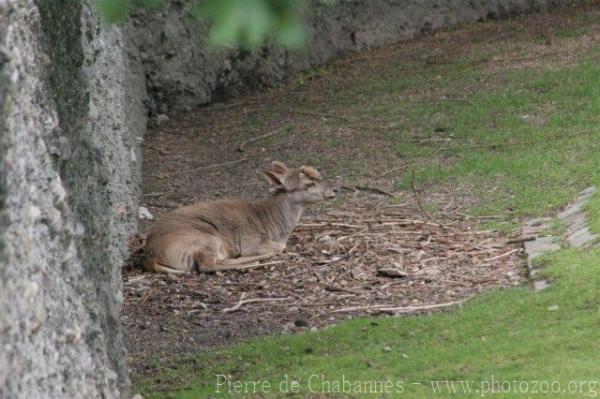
220 235
311 172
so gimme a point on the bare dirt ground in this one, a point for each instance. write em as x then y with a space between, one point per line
364 254
364 258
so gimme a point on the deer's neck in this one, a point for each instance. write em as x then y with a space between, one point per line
279 215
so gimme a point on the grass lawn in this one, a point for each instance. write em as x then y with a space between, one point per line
593 212
515 335
527 147
522 136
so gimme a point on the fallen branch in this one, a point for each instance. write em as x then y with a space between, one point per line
214 166
319 114
148 295
254 265
418 201
521 142
403 222
391 272
502 255
333 288
243 302
402 309
435 100
332 260
255 139
415 163
370 189
328 225
135 279
492 60
520 240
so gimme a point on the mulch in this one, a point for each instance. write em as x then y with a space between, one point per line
364 258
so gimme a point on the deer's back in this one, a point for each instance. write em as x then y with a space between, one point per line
233 221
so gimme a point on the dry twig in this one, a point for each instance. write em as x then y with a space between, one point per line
419 204
368 188
520 240
520 142
402 309
214 166
243 302
502 255
255 265
262 136
318 114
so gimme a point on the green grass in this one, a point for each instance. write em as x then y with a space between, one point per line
556 228
545 123
592 210
523 141
508 335
571 33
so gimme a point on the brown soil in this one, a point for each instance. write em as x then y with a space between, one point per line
333 258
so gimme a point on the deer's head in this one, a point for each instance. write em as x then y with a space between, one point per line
304 184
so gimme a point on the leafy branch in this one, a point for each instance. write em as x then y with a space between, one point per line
233 22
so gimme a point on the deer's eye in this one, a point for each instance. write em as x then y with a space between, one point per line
311 184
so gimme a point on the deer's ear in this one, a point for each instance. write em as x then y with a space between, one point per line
310 172
274 179
278 167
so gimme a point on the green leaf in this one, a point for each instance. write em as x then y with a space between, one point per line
251 22
226 29
258 21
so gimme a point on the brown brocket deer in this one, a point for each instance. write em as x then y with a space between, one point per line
221 235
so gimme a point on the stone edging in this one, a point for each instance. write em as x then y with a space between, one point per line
578 235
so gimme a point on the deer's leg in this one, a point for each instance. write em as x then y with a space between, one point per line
174 251
273 246
153 265
218 259
208 259
158 268
246 259
211 265
262 247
